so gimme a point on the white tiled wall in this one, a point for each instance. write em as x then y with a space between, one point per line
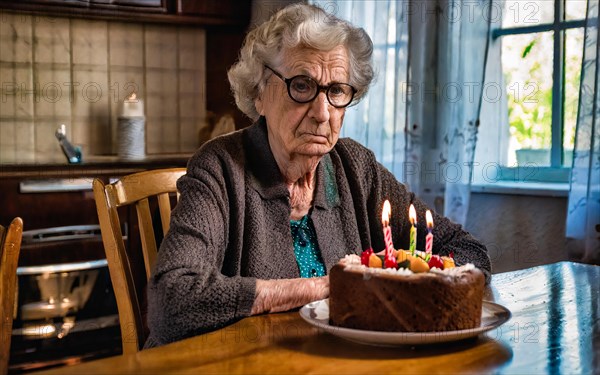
77 72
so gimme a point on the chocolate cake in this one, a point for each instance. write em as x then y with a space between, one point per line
399 300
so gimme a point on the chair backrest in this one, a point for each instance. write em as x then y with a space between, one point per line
135 189
10 246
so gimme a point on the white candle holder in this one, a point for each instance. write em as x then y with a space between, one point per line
131 137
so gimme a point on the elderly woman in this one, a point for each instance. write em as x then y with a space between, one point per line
266 211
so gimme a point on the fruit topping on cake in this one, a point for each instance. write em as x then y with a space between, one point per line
417 261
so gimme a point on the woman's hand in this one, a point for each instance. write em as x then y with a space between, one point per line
286 294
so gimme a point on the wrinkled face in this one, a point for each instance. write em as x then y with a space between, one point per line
308 129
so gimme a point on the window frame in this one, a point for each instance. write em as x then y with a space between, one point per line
556 172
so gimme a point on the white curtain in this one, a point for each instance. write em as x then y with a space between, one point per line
422 113
448 82
378 121
583 218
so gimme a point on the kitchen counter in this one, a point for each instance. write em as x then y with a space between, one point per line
93 166
54 193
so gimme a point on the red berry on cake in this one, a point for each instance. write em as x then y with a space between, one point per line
436 261
390 263
364 257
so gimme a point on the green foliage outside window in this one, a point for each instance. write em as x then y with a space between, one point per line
527 61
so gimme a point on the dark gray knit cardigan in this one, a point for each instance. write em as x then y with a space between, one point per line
232 226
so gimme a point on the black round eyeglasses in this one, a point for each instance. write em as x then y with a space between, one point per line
303 89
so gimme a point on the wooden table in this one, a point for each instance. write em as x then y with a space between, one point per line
555 328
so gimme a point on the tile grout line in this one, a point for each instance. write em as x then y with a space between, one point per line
111 135
144 80
13 70
34 78
71 76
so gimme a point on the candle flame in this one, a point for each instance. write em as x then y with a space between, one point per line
386 213
429 219
132 97
412 215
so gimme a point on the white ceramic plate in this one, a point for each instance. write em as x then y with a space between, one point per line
317 314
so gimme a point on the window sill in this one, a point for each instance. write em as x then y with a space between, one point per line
539 189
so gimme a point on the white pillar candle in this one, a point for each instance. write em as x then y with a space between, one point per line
132 107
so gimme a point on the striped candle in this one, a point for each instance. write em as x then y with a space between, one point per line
387 234
429 237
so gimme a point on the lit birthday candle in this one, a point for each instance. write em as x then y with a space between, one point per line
429 237
412 216
390 259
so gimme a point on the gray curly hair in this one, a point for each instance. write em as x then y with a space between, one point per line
292 26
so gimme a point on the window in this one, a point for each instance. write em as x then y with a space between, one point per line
541 52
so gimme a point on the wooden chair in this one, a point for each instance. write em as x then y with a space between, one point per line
135 189
10 246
